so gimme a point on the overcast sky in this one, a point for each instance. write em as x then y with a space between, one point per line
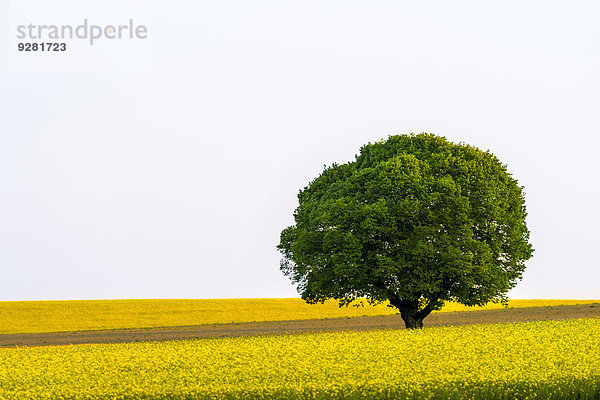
174 178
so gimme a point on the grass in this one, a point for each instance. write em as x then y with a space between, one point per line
76 315
546 360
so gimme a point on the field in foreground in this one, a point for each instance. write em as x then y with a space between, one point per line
80 315
547 359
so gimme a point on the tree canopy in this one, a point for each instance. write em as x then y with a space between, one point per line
415 220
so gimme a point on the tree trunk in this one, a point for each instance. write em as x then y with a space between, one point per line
411 314
412 321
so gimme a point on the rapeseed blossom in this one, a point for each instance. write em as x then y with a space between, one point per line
545 360
75 315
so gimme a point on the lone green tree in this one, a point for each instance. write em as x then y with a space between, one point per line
415 220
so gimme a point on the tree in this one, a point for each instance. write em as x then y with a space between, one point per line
415 220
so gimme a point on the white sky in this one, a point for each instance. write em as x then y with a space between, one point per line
175 182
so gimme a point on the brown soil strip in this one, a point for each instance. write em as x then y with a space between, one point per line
298 326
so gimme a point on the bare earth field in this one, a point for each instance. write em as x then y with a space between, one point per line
299 326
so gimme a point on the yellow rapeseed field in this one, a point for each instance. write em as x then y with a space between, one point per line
544 360
75 315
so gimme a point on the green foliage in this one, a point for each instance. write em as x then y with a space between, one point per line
416 220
